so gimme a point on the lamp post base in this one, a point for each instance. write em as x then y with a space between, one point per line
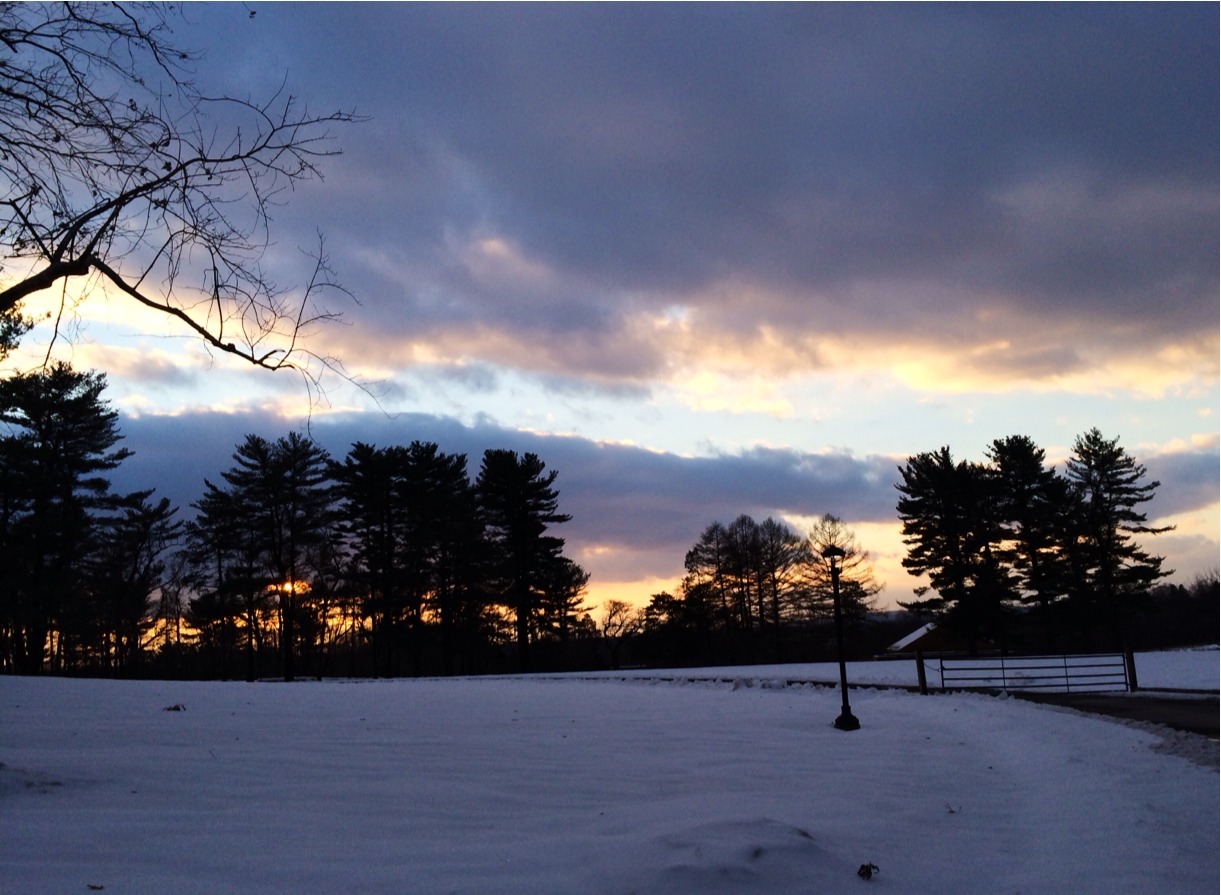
847 721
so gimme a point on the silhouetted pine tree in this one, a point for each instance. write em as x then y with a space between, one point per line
518 504
953 531
1114 574
225 552
282 492
1031 502
124 573
372 517
61 442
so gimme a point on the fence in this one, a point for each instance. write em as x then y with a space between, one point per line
1081 674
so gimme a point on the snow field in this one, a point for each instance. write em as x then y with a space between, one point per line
497 786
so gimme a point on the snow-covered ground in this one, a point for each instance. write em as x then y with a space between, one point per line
540 786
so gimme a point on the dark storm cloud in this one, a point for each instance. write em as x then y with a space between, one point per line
629 496
1059 156
619 496
652 505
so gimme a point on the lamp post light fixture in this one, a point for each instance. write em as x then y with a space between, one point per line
846 720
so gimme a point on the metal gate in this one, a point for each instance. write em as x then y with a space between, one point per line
1069 674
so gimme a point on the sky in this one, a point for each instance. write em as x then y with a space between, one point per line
708 260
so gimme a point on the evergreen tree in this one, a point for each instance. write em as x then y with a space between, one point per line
281 492
743 571
518 504
952 531
60 443
125 572
1031 502
228 573
13 325
440 517
1114 573
562 603
677 630
373 518
410 520
461 560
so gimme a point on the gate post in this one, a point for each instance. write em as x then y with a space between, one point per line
921 677
1129 662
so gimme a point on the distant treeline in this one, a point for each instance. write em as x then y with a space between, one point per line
398 561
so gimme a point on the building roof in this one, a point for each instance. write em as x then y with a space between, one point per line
905 643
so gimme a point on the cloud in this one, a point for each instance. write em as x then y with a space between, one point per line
1189 480
625 501
547 178
993 197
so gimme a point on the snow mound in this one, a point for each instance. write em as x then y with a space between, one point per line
733 856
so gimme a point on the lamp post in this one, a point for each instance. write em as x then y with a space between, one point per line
846 720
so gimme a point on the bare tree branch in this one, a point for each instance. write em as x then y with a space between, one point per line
114 164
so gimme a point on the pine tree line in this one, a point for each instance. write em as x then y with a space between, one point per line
390 561
1014 532
77 561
